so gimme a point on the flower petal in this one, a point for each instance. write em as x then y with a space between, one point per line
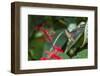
43 58
59 49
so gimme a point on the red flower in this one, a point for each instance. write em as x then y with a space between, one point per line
38 27
42 29
53 55
58 49
49 53
43 58
47 34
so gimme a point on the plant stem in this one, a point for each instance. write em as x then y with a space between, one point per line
56 40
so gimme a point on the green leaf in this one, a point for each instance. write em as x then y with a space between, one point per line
82 54
63 55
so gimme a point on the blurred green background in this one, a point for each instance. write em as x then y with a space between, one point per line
37 43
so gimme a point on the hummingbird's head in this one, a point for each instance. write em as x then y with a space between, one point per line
72 26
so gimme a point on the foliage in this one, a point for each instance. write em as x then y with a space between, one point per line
57 37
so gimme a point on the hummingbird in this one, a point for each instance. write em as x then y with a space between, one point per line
76 38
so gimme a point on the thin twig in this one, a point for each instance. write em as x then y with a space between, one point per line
56 39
